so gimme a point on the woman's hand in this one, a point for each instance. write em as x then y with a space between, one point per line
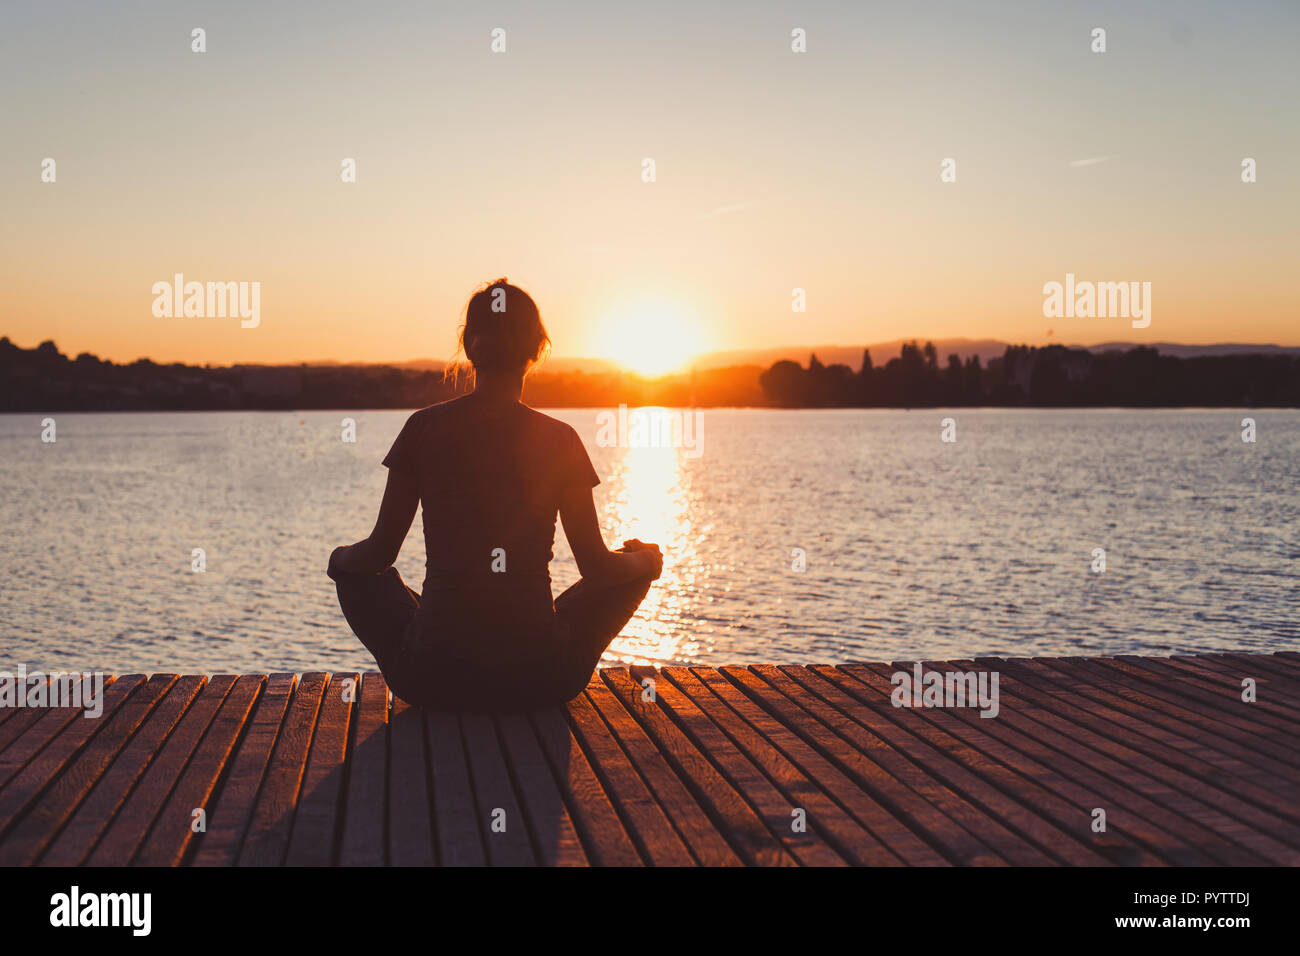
649 559
596 563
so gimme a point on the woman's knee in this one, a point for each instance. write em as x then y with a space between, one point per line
570 687
382 589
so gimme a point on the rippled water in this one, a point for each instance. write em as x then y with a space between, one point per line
914 547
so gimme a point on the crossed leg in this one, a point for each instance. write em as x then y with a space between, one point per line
379 608
590 618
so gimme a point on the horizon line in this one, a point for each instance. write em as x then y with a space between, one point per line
685 368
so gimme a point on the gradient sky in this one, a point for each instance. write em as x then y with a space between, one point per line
775 170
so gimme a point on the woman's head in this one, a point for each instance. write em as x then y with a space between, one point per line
503 332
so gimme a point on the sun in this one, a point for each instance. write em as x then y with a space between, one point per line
650 337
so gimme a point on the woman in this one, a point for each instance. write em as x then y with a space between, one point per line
492 474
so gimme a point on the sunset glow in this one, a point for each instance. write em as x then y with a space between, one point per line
650 337
371 196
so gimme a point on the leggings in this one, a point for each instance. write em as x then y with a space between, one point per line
380 609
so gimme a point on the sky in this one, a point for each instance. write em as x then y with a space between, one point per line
774 170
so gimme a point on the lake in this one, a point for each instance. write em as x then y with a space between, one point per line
909 546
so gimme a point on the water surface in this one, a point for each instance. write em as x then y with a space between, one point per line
914 547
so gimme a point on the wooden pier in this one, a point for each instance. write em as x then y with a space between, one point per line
765 765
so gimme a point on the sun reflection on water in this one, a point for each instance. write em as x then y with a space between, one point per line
650 499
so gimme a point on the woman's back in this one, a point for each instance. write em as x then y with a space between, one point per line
490 477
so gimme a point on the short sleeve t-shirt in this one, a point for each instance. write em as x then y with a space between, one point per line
490 478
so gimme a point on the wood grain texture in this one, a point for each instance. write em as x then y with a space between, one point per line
769 765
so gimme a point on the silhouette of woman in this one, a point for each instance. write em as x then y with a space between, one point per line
491 473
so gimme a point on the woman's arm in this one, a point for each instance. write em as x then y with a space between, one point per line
377 552
596 563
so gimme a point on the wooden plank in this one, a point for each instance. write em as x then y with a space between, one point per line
320 804
656 840
557 841
1182 716
860 804
79 836
1182 793
1272 682
1218 675
604 838
410 830
118 845
1061 769
1070 683
14 721
237 795
62 748
750 730
1235 660
1289 658
173 832
18 724
1068 787
1185 756
698 832
706 771
1179 687
732 815
37 733
500 818
1179 728
1276 708
455 817
1221 693
364 839
807 845
61 794
1223 672
266 839
953 835
966 825
1022 777
1283 668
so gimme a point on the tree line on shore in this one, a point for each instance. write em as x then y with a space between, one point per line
43 379
1052 376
